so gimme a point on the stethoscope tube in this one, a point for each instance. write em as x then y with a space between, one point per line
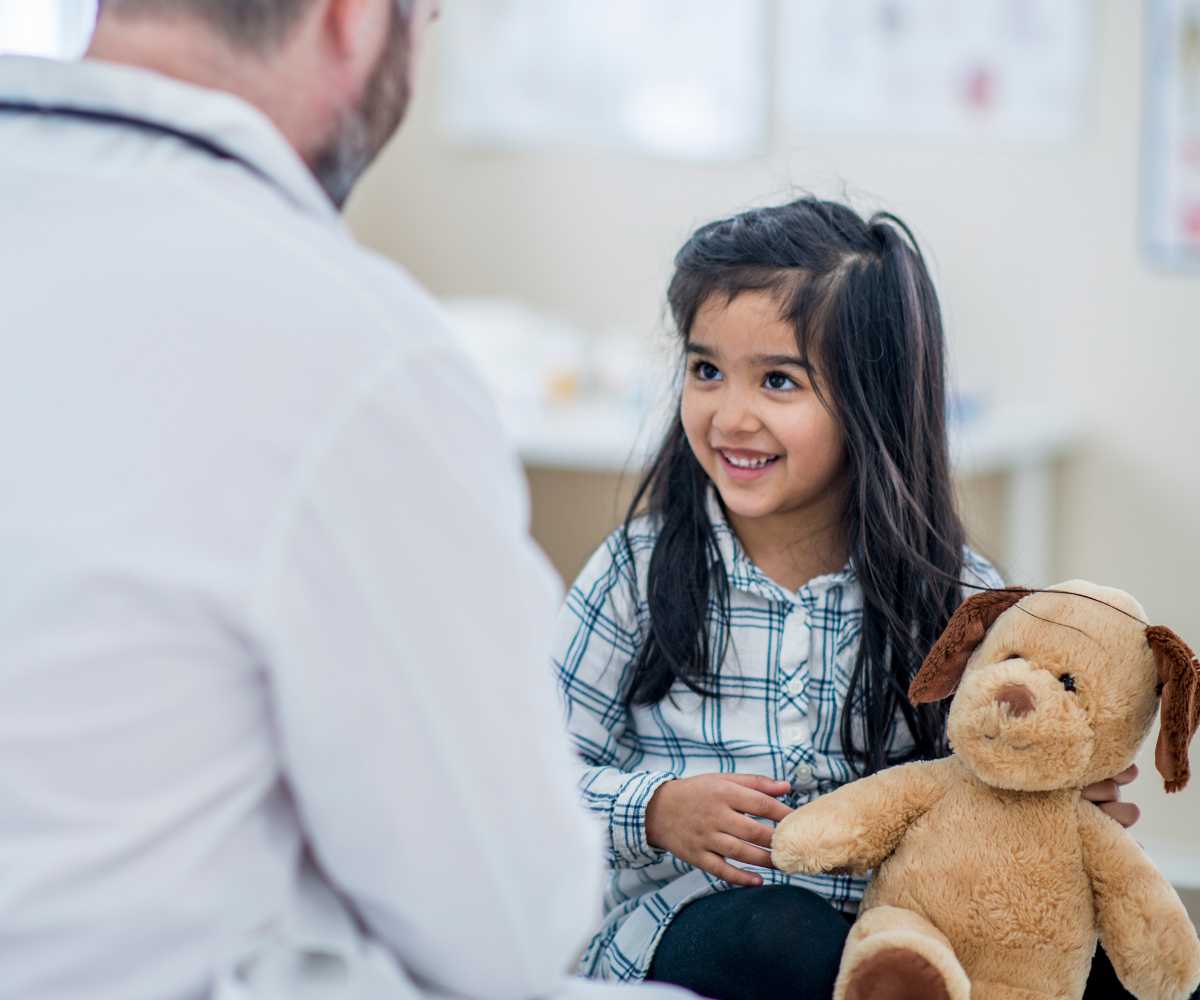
200 142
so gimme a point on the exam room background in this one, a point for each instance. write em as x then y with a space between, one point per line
1037 255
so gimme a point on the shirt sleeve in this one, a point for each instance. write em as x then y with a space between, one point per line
405 618
596 643
978 572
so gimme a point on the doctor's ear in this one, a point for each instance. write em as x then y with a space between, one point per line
943 667
356 29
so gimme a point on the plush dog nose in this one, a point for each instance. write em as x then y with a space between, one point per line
1017 698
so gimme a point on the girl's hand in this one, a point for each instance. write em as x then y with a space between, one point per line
1107 795
706 819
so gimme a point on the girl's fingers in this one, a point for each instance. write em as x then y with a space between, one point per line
759 783
714 864
1126 776
1110 791
1102 791
739 850
759 804
751 831
1125 813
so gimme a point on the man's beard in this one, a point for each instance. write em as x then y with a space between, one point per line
361 132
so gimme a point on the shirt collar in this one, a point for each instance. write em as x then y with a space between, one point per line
744 575
211 115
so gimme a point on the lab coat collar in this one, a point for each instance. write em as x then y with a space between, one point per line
213 115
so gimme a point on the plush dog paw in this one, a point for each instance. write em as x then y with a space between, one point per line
896 954
802 845
897 974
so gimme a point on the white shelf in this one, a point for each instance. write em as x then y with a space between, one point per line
593 436
1020 441
604 436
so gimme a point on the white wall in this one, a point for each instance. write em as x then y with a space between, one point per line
1036 252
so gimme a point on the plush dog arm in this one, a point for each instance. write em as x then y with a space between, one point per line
857 826
1143 926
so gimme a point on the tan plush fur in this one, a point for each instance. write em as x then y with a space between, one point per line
994 878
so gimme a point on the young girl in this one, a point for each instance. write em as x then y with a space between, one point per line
746 644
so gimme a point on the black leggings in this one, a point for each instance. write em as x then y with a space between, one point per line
777 941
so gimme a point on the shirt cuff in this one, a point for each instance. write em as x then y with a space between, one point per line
627 825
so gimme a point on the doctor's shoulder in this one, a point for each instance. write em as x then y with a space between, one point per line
407 308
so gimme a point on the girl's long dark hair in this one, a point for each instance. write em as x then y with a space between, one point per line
863 304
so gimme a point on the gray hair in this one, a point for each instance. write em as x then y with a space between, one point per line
257 25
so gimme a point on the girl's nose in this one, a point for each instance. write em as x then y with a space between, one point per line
735 415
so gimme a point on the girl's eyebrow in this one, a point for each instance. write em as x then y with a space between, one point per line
759 360
776 360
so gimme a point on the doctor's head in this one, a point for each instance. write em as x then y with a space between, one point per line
334 75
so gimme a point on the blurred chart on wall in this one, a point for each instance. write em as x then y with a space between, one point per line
1003 69
676 78
1171 161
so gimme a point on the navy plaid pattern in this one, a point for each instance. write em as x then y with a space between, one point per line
780 690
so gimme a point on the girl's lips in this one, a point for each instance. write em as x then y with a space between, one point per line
741 473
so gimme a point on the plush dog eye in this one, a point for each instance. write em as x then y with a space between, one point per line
1068 682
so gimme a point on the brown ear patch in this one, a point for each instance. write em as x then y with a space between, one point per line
943 667
1179 679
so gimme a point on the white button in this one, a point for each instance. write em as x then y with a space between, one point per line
803 773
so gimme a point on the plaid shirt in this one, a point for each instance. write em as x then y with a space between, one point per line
780 692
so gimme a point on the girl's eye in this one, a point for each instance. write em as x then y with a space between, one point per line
705 371
1068 682
779 382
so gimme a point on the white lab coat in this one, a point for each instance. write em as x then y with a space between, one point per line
276 717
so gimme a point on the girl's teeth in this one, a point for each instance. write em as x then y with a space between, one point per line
748 463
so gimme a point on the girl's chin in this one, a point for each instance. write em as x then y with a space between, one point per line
740 501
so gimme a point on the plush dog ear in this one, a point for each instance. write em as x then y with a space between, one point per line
943 667
1179 683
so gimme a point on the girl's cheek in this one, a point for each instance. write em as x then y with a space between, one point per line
816 435
693 427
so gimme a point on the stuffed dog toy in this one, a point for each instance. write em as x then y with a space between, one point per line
994 877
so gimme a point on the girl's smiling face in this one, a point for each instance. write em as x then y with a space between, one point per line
753 420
